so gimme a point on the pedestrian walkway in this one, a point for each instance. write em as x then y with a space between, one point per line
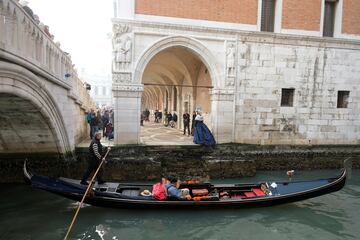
158 134
153 134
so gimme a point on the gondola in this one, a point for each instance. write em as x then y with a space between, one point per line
128 195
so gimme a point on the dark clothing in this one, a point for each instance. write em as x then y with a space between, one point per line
105 120
186 121
95 158
29 11
174 117
93 125
94 120
109 131
202 134
193 124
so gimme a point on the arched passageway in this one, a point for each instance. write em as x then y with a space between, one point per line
30 118
24 129
176 81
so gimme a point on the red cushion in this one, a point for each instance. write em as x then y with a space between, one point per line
250 194
199 192
237 196
258 192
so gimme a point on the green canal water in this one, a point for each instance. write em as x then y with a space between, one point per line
27 213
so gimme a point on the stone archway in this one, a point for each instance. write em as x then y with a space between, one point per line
180 68
29 114
128 96
191 44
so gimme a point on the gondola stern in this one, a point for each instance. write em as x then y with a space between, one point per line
348 167
27 173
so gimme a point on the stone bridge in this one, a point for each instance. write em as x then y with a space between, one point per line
42 100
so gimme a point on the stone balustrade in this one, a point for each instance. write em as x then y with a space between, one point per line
42 98
25 42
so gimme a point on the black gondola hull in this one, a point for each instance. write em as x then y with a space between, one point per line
285 192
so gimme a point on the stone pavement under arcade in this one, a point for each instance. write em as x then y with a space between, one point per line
154 134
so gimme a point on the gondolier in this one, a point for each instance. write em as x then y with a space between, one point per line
96 151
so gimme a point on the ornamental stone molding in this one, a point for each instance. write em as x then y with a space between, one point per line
121 78
130 88
127 91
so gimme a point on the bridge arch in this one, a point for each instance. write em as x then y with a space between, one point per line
30 116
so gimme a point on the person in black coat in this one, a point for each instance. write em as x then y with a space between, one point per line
186 121
193 123
96 151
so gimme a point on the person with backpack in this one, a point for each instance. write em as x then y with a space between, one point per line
89 118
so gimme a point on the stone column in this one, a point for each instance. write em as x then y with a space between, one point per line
127 100
222 114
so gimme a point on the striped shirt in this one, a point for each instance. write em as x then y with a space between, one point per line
96 150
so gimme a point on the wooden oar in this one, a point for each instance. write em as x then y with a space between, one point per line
85 194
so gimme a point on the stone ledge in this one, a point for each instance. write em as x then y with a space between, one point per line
149 163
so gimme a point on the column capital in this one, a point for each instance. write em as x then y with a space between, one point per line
127 90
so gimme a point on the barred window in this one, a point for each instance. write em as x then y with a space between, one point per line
287 97
343 99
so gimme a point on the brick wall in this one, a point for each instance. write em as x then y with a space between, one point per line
303 16
234 11
351 17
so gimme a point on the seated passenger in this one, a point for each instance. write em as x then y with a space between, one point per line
173 192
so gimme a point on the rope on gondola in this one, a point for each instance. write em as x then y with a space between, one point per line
85 195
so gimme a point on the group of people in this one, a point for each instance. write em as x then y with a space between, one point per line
193 125
202 134
25 5
167 189
171 119
101 120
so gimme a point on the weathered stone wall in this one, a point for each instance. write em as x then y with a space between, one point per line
316 72
149 163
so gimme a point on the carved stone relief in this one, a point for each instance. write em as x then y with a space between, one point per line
122 47
230 64
121 78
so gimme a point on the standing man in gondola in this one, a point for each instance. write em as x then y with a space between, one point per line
97 152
